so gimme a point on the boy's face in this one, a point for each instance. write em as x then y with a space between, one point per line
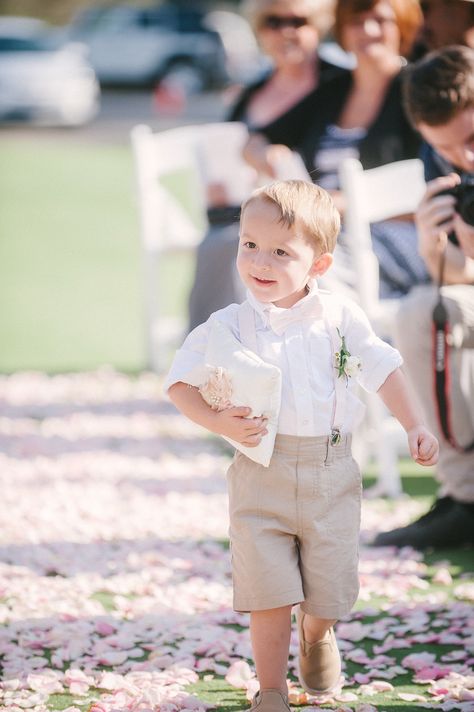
454 140
274 261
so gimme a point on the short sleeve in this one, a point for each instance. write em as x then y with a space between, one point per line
378 358
188 361
189 358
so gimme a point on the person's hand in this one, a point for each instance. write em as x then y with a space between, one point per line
465 235
216 195
264 156
424 447
235 424
435 216
275 155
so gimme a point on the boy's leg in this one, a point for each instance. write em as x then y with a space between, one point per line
314 629
270 634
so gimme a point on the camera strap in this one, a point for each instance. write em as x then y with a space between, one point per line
442 384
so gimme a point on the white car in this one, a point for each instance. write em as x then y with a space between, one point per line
139 46
44 80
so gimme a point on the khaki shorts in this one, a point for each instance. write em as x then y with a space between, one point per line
294 527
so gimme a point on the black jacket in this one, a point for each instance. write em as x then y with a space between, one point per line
294 124
390 137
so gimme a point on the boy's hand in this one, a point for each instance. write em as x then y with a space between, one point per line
234 424
424 447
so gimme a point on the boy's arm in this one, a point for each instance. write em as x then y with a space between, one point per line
233 422
396 395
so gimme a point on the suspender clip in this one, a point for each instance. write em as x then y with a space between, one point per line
335 436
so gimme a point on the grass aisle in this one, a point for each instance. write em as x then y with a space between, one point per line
115 590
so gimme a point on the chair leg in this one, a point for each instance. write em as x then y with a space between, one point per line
384 445
388 479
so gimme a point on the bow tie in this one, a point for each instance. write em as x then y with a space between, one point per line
279 319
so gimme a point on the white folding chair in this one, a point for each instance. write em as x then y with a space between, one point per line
378 194
172 169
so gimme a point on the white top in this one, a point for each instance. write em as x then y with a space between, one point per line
297 341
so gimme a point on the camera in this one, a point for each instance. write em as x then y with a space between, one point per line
464 194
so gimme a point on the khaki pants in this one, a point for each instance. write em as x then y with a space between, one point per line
414 339
294 527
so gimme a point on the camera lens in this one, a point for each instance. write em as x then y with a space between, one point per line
465 199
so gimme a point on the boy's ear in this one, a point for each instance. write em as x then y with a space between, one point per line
322 264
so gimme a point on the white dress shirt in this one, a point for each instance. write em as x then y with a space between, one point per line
297 341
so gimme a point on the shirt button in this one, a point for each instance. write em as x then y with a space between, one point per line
305 422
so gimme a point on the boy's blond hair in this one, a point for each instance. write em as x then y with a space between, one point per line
303 204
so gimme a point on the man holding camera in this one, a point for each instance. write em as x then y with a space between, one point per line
439 98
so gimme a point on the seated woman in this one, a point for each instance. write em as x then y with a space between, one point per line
278 110
363 118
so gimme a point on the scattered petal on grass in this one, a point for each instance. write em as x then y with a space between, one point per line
115 580
465 591
443 577
410 697
346 697
252 689
418 661
239 674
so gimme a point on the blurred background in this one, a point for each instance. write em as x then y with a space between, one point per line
75 77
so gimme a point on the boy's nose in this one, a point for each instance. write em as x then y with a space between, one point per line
261 261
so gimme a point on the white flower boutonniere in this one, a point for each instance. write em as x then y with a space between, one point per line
345 364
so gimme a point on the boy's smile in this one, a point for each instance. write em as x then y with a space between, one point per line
275 261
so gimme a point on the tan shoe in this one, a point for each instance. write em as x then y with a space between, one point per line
270 701
319 663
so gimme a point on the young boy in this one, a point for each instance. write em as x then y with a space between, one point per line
294 526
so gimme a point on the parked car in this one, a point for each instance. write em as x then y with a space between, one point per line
42 79
139 46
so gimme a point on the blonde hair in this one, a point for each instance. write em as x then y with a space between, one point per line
303 204
320 12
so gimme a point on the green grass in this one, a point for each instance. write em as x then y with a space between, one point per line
70 262
417 481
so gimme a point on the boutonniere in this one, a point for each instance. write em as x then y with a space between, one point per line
345 364
217 390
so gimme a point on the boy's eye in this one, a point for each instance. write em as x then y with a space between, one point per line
280 252
250 245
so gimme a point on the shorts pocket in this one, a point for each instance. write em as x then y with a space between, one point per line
244 484
345 495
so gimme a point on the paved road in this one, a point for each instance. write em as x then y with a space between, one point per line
120 110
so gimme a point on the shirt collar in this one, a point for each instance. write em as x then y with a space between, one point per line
279 318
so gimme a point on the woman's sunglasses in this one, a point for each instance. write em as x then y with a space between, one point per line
279 22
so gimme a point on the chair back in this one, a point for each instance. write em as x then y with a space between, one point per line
172 170
170 196
381 193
